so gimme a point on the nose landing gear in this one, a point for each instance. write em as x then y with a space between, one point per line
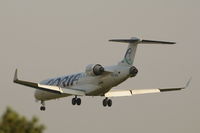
42 108
107 102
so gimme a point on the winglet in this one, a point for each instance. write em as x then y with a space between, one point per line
15 76
188 83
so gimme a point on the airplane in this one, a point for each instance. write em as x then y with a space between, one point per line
96 80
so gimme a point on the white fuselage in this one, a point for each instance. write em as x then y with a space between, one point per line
91 85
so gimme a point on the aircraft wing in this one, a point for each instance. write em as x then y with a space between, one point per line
48 88
121 93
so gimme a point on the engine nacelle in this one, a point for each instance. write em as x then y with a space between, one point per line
94 70
133 71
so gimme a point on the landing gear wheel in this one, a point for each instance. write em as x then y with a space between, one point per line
73 101
78 101
109 102
105 102
42 108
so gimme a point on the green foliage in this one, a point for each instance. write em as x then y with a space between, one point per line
12 122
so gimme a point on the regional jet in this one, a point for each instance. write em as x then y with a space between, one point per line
96 80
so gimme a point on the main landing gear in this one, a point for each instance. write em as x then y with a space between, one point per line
76 101
107 102
42 108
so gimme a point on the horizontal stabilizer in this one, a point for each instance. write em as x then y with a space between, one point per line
132 40
156 42
139 41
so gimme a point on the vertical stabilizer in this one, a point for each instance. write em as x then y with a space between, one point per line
130 52
129 56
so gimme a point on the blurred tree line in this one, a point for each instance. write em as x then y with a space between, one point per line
12 122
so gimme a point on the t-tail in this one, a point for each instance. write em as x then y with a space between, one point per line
129 56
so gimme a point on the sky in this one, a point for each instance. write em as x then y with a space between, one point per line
51 38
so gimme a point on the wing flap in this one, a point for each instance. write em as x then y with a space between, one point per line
121 93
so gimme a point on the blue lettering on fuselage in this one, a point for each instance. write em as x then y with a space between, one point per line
70 79
75 79
50 82
65 81
57 82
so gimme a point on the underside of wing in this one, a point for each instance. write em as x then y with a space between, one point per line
121 93
48 88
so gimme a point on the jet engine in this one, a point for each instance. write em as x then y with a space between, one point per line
94 70
133 71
